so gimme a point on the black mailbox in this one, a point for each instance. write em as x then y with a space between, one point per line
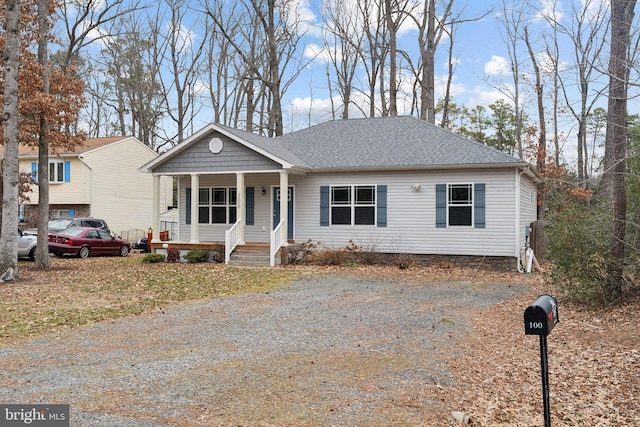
541 316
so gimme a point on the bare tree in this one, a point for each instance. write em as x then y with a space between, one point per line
83 18
541 149
223 82
131 73
10 175
376 50
513 17
344 44
587 30
395 12
434 20
180 50
42 246
622 13
451 64
266 41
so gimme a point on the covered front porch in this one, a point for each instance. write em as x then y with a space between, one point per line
218 214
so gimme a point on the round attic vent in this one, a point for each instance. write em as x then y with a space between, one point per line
215 145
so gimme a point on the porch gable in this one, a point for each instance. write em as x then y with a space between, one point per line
232 157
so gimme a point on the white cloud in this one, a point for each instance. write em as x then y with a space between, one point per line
551 10
484 96
317 53
455 89
497 65
303 16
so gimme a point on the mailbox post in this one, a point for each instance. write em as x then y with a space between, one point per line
539 319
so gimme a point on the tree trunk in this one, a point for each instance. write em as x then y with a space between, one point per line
42 250
10 181
430 64
622 12
275 112
393 73
541 152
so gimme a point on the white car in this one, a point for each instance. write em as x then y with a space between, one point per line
27 245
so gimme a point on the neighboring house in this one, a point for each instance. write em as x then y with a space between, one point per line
98 179
389 184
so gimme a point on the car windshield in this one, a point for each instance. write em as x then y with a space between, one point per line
59 224
73 231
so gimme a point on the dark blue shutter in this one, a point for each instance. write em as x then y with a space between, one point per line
67 171
72 213
187 204
34 171
478 206
441 205
324 206
249 192
381 199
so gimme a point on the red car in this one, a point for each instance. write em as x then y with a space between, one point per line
85 241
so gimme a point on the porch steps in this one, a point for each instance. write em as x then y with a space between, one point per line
251 255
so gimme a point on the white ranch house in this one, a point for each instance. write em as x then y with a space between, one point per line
396 184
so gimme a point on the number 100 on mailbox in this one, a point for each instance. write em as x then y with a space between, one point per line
541 316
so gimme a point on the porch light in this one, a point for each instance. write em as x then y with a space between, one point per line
264 191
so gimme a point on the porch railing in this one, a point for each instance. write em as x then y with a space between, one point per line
231 240
276 242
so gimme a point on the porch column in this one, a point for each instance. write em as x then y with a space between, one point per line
195 196
284 204
240 206
155 216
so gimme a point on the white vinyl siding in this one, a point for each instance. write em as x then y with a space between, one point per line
411 216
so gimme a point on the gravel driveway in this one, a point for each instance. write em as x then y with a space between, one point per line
333 350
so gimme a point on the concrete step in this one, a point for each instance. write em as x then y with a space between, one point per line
250 258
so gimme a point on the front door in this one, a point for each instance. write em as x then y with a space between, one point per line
276 211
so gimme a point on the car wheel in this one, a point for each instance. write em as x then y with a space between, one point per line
32 254
83 252
124 250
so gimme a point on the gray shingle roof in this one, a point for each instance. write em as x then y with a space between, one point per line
388 142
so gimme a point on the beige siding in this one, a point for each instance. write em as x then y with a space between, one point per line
77 191
118 192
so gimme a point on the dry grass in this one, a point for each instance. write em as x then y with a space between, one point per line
76 291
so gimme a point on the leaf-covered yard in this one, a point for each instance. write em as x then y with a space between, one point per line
594 354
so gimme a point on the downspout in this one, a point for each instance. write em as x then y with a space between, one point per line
81 158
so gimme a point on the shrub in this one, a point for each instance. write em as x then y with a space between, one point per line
404 261
173 254
153 258
578 248
216 256
197 255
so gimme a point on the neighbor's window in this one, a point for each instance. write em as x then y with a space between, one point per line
217 205
56 171
460 204
353 204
